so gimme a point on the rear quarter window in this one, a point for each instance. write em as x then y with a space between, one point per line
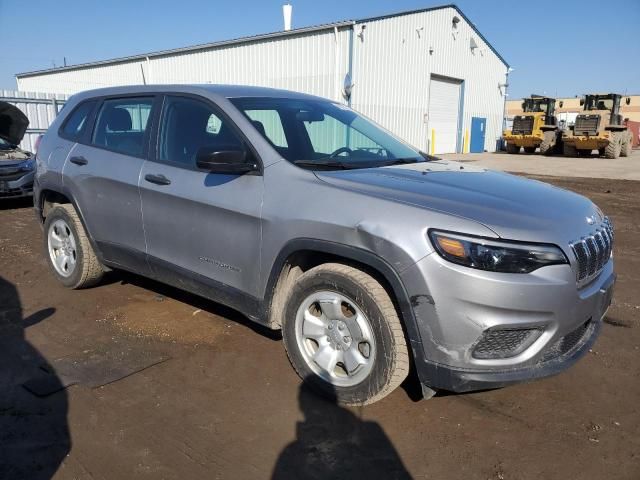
76 123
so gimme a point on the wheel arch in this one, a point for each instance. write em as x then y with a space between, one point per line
300 254
49 197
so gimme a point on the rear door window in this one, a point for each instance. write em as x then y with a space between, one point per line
76 123
122 123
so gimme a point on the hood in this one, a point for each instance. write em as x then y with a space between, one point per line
13 123
513 207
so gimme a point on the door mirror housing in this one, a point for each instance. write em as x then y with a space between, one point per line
231 160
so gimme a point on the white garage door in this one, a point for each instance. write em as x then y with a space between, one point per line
444 105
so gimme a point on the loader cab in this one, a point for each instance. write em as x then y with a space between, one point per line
538 104
610 102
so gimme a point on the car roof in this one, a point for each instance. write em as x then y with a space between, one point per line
225 91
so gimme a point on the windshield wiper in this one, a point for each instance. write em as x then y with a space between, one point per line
323 164
427 157
400 161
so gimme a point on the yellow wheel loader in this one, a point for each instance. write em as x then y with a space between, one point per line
536 127
600 127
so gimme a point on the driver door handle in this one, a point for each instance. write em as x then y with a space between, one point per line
157 179
79 160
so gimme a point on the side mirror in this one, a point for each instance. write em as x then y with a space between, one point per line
522 106
582 102
224 159
561 104
627 100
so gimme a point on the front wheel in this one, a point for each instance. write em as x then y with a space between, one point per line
68 250
343 335
625 150
513 148
569 150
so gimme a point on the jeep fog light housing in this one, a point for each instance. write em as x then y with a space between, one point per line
495 256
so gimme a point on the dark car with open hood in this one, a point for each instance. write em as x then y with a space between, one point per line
17 166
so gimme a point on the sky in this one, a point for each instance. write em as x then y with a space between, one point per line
557 48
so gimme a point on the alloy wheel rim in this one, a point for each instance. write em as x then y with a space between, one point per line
335 338
62 248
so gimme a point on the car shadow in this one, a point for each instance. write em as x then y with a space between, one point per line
34 433
16 203
196 301
333 442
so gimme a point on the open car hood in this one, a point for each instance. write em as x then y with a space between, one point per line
13 123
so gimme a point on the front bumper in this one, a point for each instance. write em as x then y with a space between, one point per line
584 142
523 140
460 305
12 187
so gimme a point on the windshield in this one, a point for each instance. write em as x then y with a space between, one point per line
4 145
594 102
535 105
317 133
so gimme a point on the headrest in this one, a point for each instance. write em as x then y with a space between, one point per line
260 127
118 120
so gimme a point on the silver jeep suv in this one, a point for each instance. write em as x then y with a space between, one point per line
371 257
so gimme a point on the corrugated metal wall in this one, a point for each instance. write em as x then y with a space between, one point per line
313 63
393 65
40 108
393 61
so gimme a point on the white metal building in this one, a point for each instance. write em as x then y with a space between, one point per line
427 75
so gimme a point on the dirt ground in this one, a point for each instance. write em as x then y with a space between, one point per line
215 397
594 166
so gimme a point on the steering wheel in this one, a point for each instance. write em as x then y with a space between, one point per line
341 150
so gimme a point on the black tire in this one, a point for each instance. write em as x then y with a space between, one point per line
582 152
513 148
391 361
601 152
614 148
569 150
88 270
549 143
625 150
529 150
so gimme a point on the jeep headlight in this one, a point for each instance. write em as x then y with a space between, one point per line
495 255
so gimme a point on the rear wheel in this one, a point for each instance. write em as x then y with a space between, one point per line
343 336
68 250
625 150
512 148
529 150
614 148
548 144
569 150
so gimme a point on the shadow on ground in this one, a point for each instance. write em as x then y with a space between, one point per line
16 203
34 434
333 442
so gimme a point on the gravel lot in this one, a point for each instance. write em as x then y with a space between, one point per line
622 168
215 397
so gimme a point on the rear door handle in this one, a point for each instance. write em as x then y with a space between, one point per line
157 179
79 160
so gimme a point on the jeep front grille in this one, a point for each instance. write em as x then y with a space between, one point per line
505 343
593 251
586 124
522 125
